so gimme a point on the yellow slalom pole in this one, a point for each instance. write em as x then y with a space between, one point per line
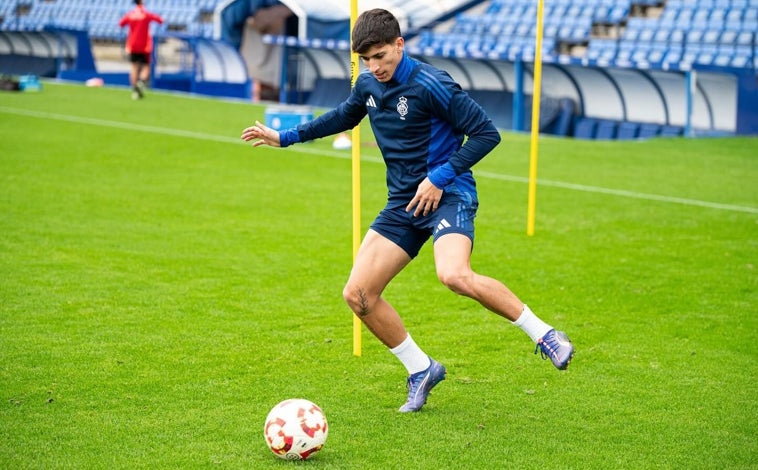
532 201
356 170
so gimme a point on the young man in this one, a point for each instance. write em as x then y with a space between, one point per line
139 46
419 116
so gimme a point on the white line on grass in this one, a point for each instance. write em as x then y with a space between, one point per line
623 193
118 125
372 158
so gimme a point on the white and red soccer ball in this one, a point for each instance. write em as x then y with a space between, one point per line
295 429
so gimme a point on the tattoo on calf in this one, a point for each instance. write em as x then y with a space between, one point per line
363 303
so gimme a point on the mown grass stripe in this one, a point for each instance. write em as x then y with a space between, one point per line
375 159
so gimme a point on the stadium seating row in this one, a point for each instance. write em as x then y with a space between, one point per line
710 3
484 46
745 23
680 36
666 55
604 129
606 13
719 33
100 17
692 14
498 4
567 29
708 32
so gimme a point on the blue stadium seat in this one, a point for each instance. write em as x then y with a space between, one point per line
562 123
700 14
671 131
624 53
627 130
559 11
550 30
677 36
695 35
728 36
723 58
588 11
618 13
630 34
601 14
707 54
639 55
684 18
741 57
717 14
668 16
574 11
602 50
508 29
745 38
711 36
657 53
690 54
648 130
606 130
662 34
647 33
581 32
585 128
750 25
734 15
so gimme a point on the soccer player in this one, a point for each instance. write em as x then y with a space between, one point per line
139 46
419 117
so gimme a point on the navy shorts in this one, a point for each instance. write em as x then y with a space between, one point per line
139 58
455 214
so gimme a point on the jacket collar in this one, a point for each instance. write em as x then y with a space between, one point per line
403 70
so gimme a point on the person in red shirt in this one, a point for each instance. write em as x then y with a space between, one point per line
139 45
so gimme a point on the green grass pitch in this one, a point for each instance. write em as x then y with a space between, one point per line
163 285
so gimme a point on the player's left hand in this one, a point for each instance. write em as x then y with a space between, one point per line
426 200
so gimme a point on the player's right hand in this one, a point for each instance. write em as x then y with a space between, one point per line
264 134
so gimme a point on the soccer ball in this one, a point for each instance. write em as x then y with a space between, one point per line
295 429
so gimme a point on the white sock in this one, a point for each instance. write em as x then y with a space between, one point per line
412 357
531 324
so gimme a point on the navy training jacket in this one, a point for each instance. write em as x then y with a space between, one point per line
419 118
